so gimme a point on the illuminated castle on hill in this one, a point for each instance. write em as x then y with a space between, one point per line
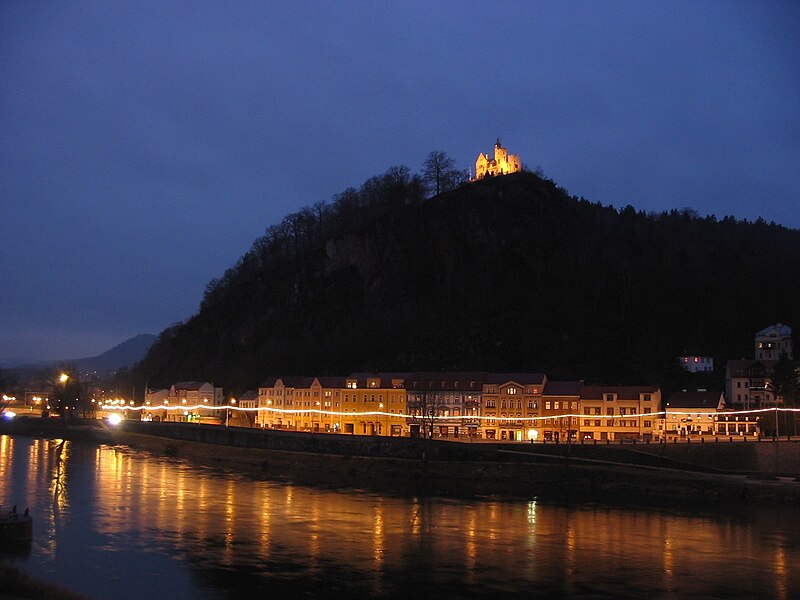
503 163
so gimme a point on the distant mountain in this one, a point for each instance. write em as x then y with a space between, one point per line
508 273
126 355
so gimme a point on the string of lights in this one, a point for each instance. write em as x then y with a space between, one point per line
374 413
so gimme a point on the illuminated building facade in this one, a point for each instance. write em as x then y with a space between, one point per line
189 395
452 397
372 399
287 402
503 163
611 413
507 400
703 413
561 402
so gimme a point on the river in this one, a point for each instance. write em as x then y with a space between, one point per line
114 523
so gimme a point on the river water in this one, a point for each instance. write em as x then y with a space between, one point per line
114 523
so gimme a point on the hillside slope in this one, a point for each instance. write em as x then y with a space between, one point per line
507 274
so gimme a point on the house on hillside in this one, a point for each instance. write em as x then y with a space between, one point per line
696 364
774 341
748 384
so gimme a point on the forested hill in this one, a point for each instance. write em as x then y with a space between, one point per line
505 274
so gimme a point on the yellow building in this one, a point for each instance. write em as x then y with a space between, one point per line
503 163
300 403
373 399
613 413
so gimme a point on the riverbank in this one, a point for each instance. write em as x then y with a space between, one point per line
16 585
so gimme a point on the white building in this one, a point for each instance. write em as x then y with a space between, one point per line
697 364
773 341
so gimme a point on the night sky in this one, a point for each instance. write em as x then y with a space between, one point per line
145 145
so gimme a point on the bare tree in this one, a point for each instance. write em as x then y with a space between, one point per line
440 173
66 390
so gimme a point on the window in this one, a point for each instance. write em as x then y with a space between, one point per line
511 391
647 397
609 397
555 405
547 405
597 410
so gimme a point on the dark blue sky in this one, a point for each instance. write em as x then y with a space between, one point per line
145 145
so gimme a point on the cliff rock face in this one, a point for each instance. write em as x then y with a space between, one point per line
507 273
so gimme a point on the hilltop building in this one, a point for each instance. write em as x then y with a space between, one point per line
503 163
773 341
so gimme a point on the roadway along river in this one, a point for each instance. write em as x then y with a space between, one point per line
120 524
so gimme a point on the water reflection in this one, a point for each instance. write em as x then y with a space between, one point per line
111 522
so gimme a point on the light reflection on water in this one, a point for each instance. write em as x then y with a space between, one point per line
115 523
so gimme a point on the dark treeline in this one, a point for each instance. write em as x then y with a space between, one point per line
505 274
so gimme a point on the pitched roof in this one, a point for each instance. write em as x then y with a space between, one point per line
704 400
779 329
623 392
741 367
563 388
445 380
292 381
190 385
521 378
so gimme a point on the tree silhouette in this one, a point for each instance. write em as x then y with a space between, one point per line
440 174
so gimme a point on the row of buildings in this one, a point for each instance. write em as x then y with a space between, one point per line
487 405
473 405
